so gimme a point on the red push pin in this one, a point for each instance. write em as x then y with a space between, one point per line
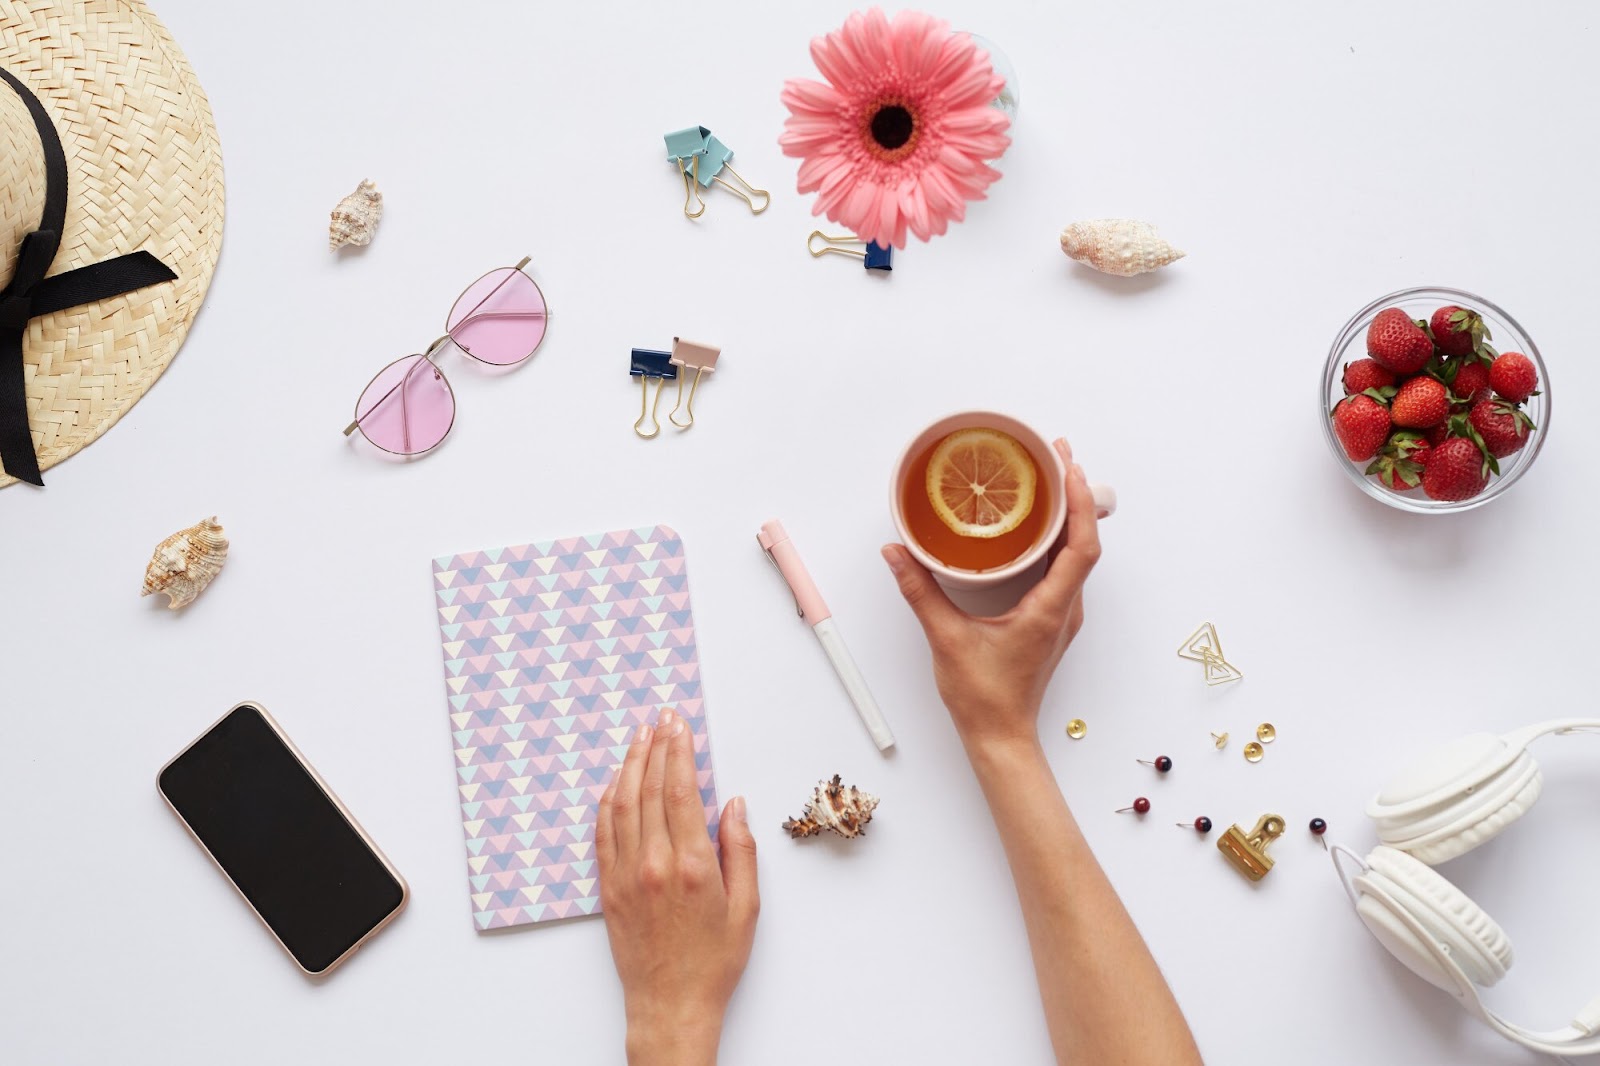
1140 806
1201 825
1319 827
1161 763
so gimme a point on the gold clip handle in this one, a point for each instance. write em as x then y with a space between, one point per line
691 189
833 244
748 197
648 409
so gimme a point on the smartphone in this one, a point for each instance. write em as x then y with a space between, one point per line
272 826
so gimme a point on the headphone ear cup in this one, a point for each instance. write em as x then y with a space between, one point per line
1493 821
1472 939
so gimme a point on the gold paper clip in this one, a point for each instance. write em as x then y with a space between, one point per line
644 365
1205 647
871 255
1248 854
702 359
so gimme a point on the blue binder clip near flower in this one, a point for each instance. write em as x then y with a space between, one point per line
871 255
701 159
644 365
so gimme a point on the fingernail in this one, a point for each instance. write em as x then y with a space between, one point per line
677 726
643 735
736 808
664 722
892 556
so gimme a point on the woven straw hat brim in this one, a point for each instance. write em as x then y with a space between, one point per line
145 172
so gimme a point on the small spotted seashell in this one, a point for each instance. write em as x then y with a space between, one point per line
355 218
1121 246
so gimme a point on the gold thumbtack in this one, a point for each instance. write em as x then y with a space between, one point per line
1253 752
1266 733
1220 739
1077 728
1248 854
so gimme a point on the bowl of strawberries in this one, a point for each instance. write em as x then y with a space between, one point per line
1434 400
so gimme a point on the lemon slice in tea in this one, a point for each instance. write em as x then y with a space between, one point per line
981 482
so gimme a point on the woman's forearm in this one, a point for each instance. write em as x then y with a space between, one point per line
1105 1000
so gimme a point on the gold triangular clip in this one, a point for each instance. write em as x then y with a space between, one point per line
1201 645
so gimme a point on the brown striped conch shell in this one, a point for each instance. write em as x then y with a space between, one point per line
845 811
186 562
1121 246
355 218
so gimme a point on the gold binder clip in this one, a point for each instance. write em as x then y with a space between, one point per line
1248 854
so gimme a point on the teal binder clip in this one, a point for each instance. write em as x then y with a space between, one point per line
687 148
701 159
715 162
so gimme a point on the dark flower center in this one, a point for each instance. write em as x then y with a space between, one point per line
892 127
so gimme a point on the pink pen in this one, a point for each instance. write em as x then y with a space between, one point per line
808 601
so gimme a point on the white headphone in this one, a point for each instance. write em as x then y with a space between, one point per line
1442 807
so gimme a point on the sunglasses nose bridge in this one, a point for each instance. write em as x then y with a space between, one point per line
436 346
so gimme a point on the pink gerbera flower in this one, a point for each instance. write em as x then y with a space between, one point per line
900 133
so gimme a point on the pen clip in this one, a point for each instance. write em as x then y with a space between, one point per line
773 560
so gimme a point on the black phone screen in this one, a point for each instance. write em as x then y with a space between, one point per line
281 838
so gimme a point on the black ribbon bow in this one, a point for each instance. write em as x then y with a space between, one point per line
30 294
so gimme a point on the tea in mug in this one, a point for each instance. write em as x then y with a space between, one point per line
975 500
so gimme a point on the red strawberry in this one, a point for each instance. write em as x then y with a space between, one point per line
1398 343
1420 403
1502 426
1364 374
1514 377
1437 435
1362 425
1457 331
1457 470
1401 462
1471 383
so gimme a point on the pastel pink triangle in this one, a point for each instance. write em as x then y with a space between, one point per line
508 915
505 879
560 907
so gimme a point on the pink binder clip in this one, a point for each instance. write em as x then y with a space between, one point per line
702 359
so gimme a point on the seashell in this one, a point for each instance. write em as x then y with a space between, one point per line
845 811
186 562
1121 246
355 218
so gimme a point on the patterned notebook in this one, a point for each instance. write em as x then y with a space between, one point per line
553 654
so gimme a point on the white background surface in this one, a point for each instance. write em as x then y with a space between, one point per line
1308 160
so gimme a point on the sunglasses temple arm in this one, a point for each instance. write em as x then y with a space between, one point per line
474 309
427 358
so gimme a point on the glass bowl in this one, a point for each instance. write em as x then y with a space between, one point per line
1506 335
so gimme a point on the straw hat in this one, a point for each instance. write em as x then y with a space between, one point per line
143 175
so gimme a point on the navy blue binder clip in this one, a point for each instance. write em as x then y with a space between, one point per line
872 256
645 364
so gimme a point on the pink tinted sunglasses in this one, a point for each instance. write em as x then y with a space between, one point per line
409 407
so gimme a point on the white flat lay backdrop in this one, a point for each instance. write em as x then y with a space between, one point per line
1309 160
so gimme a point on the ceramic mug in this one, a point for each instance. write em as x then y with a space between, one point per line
1051 469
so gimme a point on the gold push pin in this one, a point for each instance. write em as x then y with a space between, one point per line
1248 854
1253 752
1220 739
1077 728
1266 733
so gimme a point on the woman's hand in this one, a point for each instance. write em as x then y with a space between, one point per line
680 926
992 672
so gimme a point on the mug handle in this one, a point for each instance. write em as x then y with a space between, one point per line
1105 500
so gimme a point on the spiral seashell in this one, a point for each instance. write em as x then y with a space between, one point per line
841 810
1121 246
186 562
355 218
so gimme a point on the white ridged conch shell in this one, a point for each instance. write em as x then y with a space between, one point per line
355 218
186 562
1121 246
845 811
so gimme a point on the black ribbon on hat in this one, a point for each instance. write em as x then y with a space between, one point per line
30 293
